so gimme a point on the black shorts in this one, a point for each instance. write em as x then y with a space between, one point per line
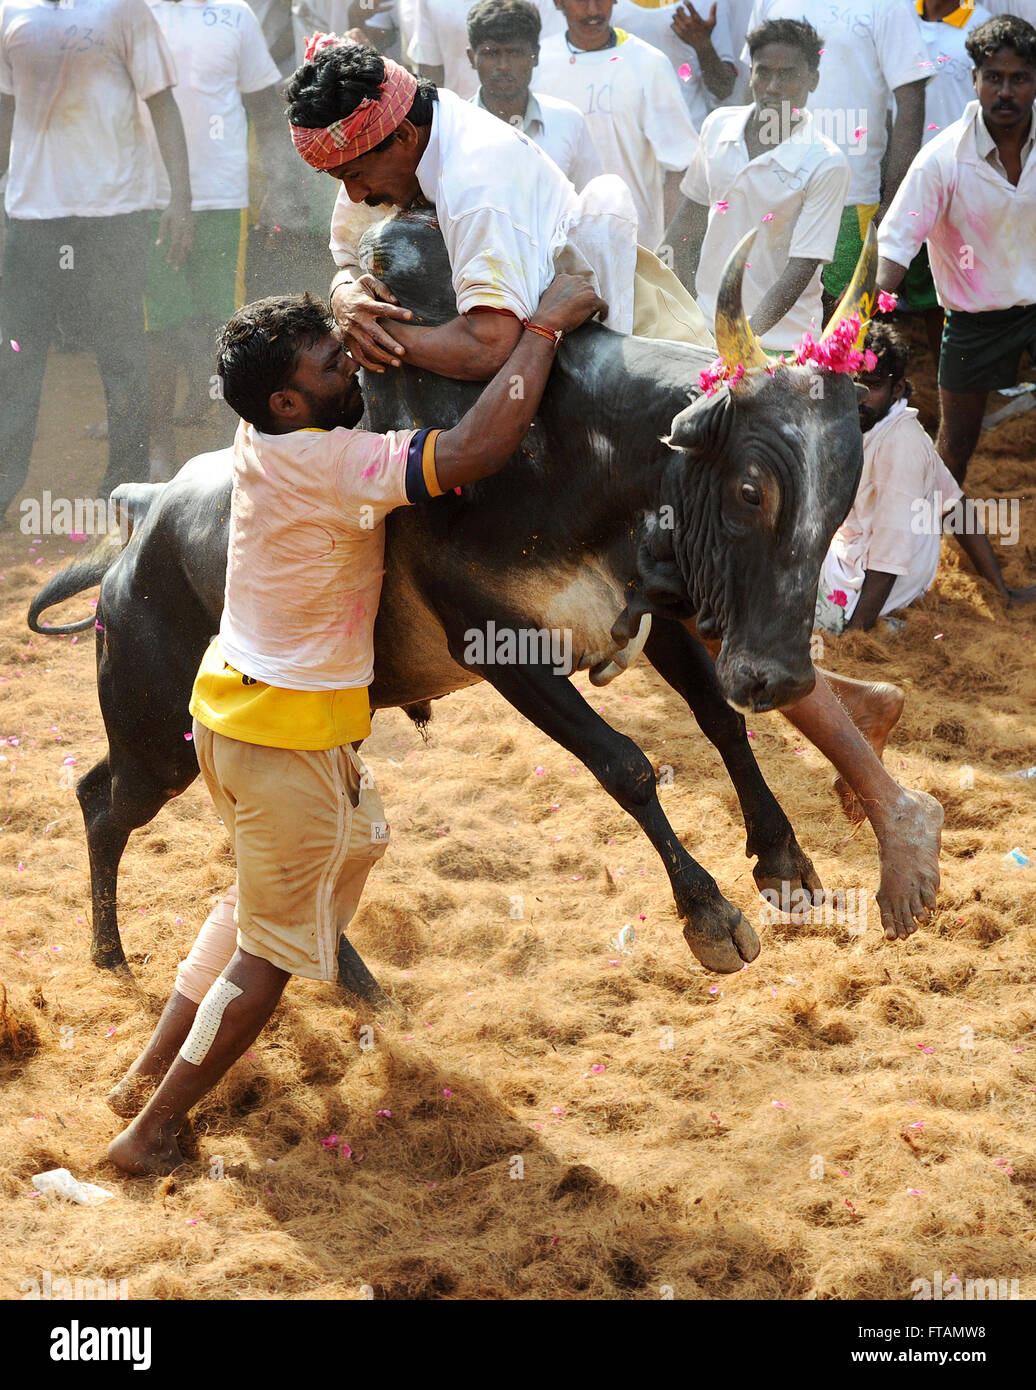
982 352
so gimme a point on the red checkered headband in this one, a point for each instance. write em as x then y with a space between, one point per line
357 133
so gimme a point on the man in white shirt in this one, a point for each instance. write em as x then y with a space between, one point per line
698 46
81 181
439 45
972 193
508 216
504 38
632 102
227 77
872 50
885 554
765 167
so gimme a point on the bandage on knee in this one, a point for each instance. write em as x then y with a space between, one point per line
207 1020
212 950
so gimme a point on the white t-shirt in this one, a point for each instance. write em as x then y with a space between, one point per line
440 39
307 543
632 102
506 212
1024 9
80 144
219 53
559 129
979 227
799 184
886 528
870 48
951 88
655 26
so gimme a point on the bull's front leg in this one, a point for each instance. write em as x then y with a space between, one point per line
715 930
782 866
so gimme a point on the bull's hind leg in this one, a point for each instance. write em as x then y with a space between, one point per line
679 658
716 931
114 804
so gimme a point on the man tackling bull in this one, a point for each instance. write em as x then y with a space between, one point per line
281 695
508 218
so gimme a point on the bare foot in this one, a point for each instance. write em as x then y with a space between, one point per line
875 708
909 838
140 1153
131 1094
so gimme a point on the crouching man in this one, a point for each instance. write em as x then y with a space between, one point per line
281 694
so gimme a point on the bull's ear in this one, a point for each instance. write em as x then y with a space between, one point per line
694 427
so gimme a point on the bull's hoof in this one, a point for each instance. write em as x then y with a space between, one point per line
721 938
785 868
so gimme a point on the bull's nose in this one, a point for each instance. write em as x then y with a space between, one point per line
763 686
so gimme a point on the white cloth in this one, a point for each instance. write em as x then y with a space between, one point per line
440 39
979 228
632 102
559 129
306 553
506 212
80 144
220 52
870 49
655 26
801 183
894 524
951 87
1024 9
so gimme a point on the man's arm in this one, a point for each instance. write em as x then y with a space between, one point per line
876 588
470 347
977 548
499 420
784 295
696 32
907 130
177 225
6 126
684 237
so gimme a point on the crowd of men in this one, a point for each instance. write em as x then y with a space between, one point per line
623 148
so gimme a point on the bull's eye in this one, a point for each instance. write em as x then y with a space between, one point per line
751 494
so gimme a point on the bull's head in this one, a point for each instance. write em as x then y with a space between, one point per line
761 477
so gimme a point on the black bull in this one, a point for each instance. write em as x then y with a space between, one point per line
624 499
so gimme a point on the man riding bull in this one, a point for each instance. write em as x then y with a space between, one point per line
281 695
508 217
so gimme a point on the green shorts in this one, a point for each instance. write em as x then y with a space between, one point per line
917 285
211 282
982 352
856 218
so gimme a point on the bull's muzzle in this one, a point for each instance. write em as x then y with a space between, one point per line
754 685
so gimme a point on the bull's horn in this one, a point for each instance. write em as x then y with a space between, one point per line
738 345
859 294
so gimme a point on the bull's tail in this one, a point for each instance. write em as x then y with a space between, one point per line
84 573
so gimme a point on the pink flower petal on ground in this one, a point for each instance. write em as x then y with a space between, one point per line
916 1191
925 1048
683 72
384 1114
938 637
597 1067
329 1142
713 989
446 1091
345 1151
538 771
780 1104
109 1033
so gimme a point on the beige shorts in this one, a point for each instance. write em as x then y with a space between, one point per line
307 827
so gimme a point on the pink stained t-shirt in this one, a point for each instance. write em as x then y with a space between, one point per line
307 549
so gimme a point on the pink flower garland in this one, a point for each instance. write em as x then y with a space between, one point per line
836 353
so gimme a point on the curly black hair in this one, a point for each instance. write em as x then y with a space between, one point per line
1002 31
259 347
797 33
890 348
332 85
503 21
